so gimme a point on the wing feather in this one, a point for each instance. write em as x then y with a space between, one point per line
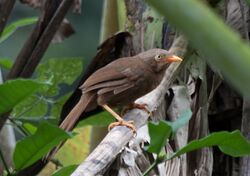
102 75
105 84
122 88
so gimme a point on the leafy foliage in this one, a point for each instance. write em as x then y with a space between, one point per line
160 132
6 63
233 144
54 70
33 106
10 29
75 149
32 148
65 170
43 108
14 91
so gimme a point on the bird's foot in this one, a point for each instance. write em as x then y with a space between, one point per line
137 106
129 124
120 122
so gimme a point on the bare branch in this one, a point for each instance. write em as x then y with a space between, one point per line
39 40
99 160
46 38
6 7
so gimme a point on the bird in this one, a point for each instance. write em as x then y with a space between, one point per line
120 83
117 46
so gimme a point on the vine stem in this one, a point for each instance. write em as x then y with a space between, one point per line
154 164
4 162
20 127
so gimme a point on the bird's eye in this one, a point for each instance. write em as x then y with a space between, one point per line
158 57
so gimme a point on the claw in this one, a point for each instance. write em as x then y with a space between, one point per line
129 124
138 106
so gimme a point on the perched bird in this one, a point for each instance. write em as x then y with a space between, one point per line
117 46
120 83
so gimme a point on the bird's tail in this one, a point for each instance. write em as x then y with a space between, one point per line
69 122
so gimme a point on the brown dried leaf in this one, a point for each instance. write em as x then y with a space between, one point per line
77 7
34 3
65 30
39 4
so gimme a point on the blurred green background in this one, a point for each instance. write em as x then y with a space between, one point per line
82 44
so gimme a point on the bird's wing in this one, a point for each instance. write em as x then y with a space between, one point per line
113 75
106 84
115 89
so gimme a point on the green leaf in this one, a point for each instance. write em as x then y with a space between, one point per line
29 127
59 71
35 121
6 63
220 45
32 148
101 119
34 107
233 144
181 121
14 91
159 133
65 171
58 105
15 25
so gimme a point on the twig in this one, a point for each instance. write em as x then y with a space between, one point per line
6 7
46 38
20 127
39 40
150 168
103 155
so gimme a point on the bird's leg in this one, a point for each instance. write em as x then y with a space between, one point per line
120 122
138 106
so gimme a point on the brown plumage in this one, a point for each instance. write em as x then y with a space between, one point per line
121 82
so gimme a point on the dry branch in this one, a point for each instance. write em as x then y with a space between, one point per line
46 37
40 38
103 155
6 7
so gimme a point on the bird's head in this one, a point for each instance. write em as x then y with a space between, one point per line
159 59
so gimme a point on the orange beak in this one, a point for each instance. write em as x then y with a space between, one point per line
173 59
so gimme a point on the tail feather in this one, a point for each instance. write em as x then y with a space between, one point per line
71 119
